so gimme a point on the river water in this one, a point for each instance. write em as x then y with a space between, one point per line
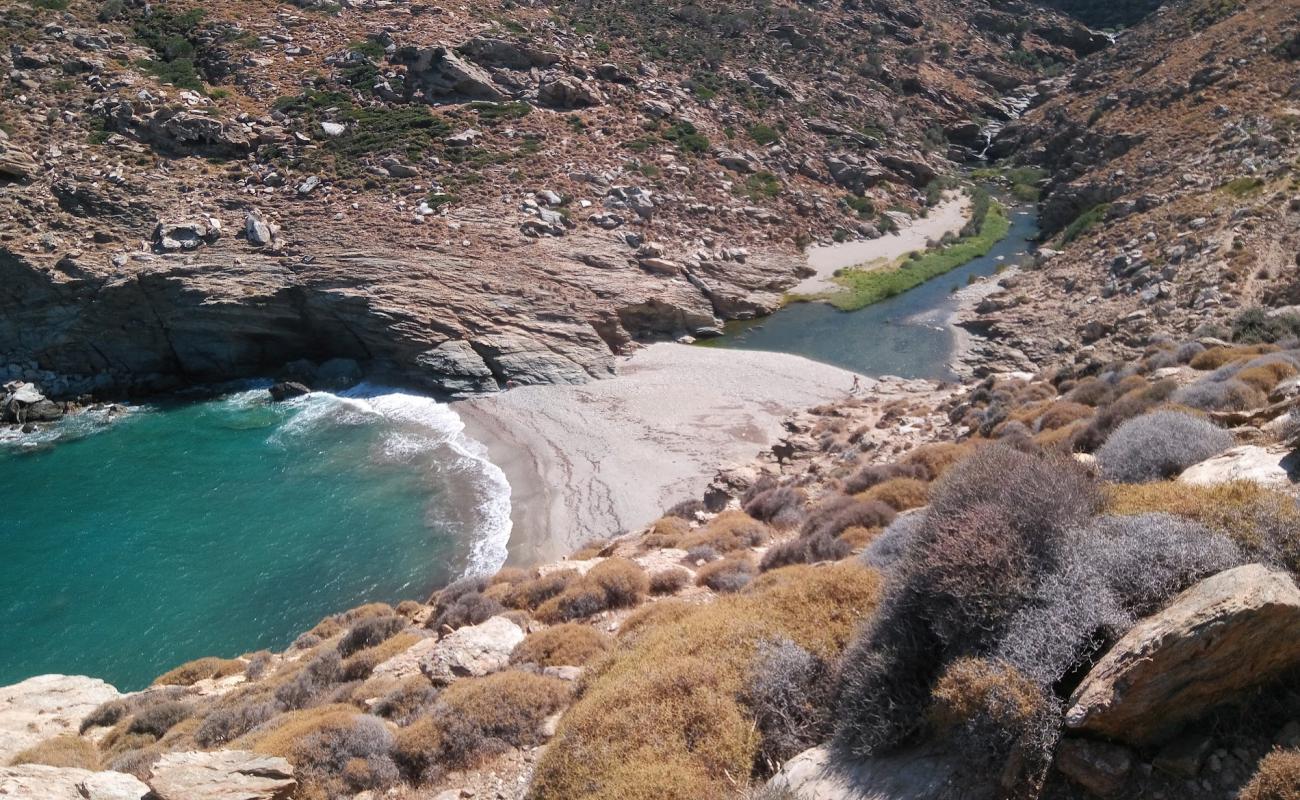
229 525
906 335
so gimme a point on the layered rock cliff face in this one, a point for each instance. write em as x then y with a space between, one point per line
464 197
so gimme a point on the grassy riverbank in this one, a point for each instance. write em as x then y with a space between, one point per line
860 288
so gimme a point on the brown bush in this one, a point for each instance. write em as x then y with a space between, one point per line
579 600
1061 414
899 494
669 581
359 665
192 672
65 750
859 537
156 720
1091 392
406 701
782 507
341 759
589 550
972 687
806 550
1266 375
532 593
1216 357
730 530
874 474
278 736
509 707
624 582
416 749
728 575
936 458
510 576
666 532
833 515
569 644
660 717
1277 777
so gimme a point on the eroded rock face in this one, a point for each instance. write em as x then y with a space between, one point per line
45 706
472 651
493 52
222 775
38 782
1230 632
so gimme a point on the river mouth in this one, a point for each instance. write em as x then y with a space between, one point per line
908 335
180 530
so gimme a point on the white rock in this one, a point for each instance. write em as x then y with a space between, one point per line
39 782
333 129
472 651
1273 466
222 775
45 706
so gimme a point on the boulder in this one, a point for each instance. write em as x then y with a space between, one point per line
283 390
1274 466
39 782
912 168
568 92
491 52
15 165
911 775
45 706
472 651
222 775
455 368
1100 767
438 73
257 230
1228 633
170 236
405 664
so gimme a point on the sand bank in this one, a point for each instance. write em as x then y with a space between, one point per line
594 460
949 216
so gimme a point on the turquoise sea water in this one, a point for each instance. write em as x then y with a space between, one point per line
225 526
906 335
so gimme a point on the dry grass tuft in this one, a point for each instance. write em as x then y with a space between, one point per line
478 714
530 594
1216 357
666 532
66 750
899 494
728 575
613 583
659 717
570 644
200 669
669 581
730 530
1277 777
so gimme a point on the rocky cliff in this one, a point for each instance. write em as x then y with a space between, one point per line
464 196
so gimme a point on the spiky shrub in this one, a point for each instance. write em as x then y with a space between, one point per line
831 516
310 684
730 530
370 632
530 594
1159 445
232 718
997 521
727 575
477 716
1230 394
1277 777
669 581
570 644
789 692
874 474
805 550
156 720
992 713
407 701
1126 567
781 507
341 760
887 549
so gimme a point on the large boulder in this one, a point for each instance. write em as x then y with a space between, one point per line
43 707
567 92
438 73
492 52
1275 466
912 775
222 775
1228 633
39 782
455 368
472 651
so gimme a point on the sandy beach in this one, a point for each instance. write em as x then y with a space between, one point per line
949 216
590 461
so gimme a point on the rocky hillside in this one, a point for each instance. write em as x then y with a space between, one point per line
1058 586
1171 203
462 195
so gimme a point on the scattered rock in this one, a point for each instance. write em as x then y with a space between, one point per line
189 234
437 73
567 92
222 775
1230 632
472 651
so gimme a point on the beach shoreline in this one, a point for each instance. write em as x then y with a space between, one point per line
591 461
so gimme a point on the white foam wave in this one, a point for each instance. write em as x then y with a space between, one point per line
73 426
417 425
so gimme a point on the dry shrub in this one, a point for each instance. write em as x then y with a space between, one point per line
887 548
1265 375
669 581
936 458
532 593
858 537
789 692
782 507
666 532
1216 357
416 749
991 710
234 716
1123 408
589 550
1264 522
730 530
660 716
509 576
463 603
832 516
1061 414
370 632
308 685
278 735
1159 445
138 762
569 644
358 666
728 575
899 494
623 581
407 701
807 550
344 757
1226 395
686 509
156 720
1277 777
873 474
65 750
652 615
200 669
478 715
580 600
1091 392
106 714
